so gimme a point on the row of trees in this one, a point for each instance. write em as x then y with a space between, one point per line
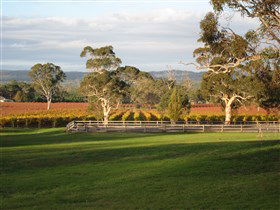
239 68
108 85
25 92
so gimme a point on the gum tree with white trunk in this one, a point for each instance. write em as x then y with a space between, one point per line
102 86
104 89
46 79
230 90
266 11
224 55
223 51
99 59
266 62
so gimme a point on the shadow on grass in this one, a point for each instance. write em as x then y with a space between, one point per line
31 137
56 136
237 152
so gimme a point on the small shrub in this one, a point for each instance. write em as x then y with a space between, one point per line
127 116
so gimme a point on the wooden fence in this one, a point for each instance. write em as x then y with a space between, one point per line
166 126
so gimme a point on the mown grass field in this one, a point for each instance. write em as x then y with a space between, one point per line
49 169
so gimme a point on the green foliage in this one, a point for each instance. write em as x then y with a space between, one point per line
96 108
147 115
268 75
141 84
102 58
116 116
40 121
138 116
127 116
60 121
223 50
266 66
216 86
25 92
18 91
164 101
103 86
166 97
175 106
266 11
46 79
146 90
196 96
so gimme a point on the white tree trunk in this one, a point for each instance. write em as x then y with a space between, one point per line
106 111
228 111
106 119
49 101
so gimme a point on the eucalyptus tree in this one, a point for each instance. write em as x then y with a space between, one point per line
226 55
104 89
100 59
223 50
18 91
102 86
267 72
143 88
232 61
266 11
46 79
230 90
267 35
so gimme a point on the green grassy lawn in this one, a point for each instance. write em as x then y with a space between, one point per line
49 169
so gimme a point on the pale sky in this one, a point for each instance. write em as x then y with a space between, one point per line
149 35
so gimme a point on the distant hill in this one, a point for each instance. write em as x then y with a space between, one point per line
22 75
179 75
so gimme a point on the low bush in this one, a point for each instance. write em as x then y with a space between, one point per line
137 115
40 121
117 115
127 116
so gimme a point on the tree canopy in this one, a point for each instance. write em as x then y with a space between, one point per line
46 79
223 50
266 11
100 59
103 90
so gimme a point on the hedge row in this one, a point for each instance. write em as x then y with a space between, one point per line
59 121
238 118
40 121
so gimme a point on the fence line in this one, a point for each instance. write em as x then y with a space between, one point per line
166 126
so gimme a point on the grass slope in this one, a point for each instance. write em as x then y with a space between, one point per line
49 169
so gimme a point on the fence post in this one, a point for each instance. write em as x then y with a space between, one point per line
183 128
241 128
267 128
85 126
203 128
145 128
222 130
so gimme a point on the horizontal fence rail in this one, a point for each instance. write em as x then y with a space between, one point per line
167 126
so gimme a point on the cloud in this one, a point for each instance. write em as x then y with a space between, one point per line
149 40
